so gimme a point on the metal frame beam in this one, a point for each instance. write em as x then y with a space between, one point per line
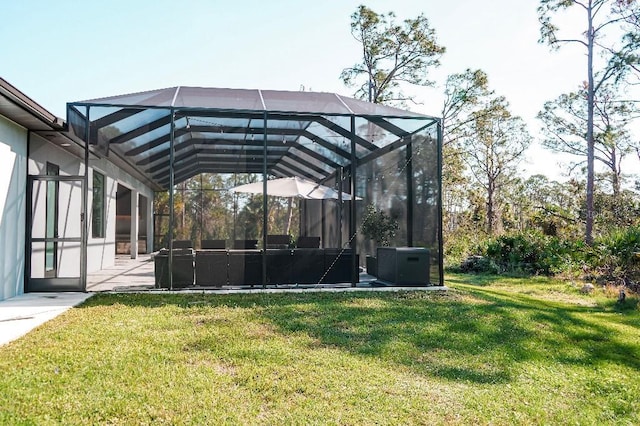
139 131
206 153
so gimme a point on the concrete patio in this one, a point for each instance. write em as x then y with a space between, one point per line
125 275
21 314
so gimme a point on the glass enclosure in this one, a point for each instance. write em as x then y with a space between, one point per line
196 146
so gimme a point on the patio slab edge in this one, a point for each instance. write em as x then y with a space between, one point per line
23 313
281 290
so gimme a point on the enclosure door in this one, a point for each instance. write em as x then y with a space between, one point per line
56 256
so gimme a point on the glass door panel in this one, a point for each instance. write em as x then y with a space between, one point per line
56 241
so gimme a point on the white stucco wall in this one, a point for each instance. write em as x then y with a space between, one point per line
13 176
101 251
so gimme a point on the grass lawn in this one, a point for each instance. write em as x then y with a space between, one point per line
491 350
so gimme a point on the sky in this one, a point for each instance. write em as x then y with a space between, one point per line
59 51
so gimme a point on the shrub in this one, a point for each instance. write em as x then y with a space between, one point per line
614 257
459 245
379 226
520 253
528 252
479 265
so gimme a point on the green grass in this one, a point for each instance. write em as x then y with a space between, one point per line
491 350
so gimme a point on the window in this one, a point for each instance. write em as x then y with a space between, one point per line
51 230
97 209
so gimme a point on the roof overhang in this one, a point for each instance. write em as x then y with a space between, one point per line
25 112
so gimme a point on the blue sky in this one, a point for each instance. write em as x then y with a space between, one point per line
62 51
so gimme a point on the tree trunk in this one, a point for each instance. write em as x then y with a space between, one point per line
490 209
590 140
615 179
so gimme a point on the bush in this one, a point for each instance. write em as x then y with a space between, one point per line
529 253
614 257
520 253
459 245
479 265
379 226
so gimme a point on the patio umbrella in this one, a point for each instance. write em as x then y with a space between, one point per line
293 187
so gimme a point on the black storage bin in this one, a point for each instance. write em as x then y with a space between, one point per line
245 267
308 265
211 267
403 265
183 271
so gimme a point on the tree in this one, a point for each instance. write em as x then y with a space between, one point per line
494 147
464 93
565 120
551 206
600 17
627 57
391 54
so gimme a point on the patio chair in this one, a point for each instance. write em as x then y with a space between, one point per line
278 241
245 244
337 264
308 242
213 244
279 266
182 244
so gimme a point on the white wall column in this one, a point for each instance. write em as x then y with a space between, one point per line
134 223
13 200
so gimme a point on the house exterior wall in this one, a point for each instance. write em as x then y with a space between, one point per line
114 176
13 177
100 251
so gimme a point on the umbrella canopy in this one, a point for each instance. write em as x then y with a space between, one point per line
293 187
